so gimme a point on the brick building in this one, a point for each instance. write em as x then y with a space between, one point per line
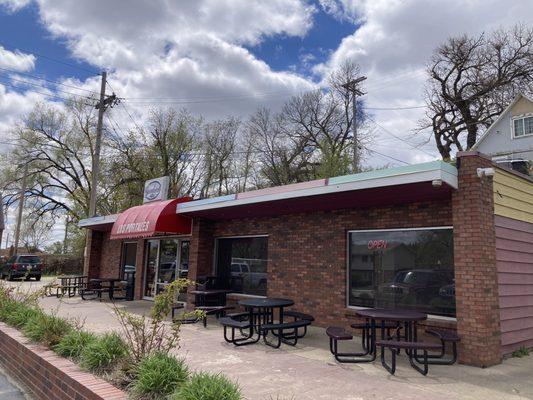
454 242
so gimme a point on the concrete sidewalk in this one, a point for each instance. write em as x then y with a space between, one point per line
309 372
8 391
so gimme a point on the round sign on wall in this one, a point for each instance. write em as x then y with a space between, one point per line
152 190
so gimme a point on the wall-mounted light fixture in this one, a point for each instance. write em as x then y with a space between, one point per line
485 172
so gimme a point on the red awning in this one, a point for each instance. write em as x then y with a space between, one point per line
150 219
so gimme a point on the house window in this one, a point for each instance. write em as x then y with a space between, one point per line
241 264
522 127
408 269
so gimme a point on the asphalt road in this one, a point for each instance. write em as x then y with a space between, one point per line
8 391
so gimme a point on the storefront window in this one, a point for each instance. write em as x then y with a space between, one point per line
242 264
409 269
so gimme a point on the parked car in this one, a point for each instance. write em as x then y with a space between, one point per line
22 265
421 285
249 277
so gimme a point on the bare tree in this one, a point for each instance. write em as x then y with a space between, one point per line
324 119
283 158
57 145
220 148
169 147
471 80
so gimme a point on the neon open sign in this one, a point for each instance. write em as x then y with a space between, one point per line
377 244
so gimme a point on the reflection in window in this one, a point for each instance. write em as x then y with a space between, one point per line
410 269
242 264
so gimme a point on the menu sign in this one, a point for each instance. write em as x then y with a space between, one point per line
156 189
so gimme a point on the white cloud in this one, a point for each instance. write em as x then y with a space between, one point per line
14 5
16 60
393 45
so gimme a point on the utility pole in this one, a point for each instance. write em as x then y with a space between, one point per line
102 105
21 207
2 220
353 86
66 235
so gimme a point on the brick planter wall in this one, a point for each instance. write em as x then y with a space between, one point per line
48 376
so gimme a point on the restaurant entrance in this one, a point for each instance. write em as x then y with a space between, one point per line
167 259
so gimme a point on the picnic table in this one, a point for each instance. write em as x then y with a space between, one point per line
258 321
377 319
210 297
110 281
384 320
69 284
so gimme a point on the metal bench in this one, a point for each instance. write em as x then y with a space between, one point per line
337 334
278 331
297 317
233 324
217 311
411 348
445 337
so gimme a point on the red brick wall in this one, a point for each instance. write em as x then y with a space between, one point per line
307 251
476 284
48 376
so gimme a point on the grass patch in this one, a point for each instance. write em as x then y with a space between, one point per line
19 314
521 352
158 376
46 329
103 353
73 343
204 386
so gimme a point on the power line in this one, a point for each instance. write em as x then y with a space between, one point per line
47 80
52 96
92 72
385 155
399 137
43 87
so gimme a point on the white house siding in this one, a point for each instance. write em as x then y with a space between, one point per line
499 140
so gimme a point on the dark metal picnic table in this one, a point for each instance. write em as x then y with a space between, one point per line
209 297
70 284
261 310
377 317
111 282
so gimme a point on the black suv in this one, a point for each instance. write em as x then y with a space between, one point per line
22 265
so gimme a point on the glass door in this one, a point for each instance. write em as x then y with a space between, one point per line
168 262
151 268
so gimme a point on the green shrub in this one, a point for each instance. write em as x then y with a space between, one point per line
47 329
159 375
521 352
72 344
103 353
19 314
204 386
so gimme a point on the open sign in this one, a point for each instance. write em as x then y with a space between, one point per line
377 244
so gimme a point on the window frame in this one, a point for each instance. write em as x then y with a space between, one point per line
347 286
521 118
215 257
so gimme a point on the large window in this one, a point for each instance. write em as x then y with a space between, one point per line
242 264
409 269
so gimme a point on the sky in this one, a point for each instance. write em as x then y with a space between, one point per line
228 57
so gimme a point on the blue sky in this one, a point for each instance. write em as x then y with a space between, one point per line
299 54
22 30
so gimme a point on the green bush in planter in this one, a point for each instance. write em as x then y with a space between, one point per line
159 375
204 386
47 329
73 343
20 314
103 353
